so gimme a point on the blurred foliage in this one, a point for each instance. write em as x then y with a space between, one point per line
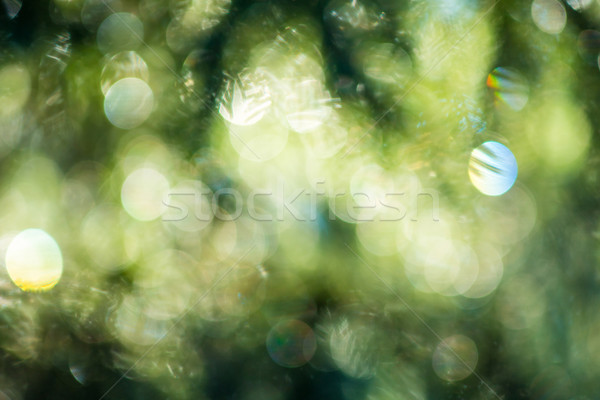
476 120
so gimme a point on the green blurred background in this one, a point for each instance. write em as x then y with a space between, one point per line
269 200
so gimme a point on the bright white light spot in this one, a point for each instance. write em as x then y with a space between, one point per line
34 261
127 64
245 99
492 168
307 105
549 16
128 103
142 194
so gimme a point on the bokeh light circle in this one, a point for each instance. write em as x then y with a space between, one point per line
93 12
549 16
509 88
588 45
12 10
291 343
307 104
455 358
128 103
489 273
15 84
493 168
143 192
261 142
34 261
120 32
126 64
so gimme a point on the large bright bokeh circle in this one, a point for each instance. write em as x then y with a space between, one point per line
128 103
493 168
34 261
143 192
126 64
549 16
